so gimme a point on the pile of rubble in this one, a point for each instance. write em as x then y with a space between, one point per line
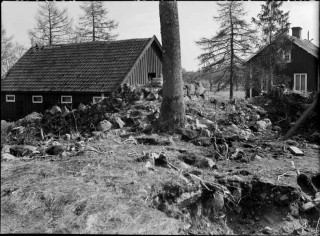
284 108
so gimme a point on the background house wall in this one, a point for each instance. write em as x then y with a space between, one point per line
302 62
23 105
149 62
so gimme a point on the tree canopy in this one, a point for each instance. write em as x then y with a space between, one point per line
94 24
53 26
226 50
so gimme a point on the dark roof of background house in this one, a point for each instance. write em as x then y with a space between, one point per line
302 43
306 45
77 67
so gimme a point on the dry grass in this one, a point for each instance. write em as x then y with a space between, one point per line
224 95
84 194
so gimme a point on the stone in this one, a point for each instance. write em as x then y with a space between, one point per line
55 150
206 163
8 156
264 124
231 109
186 99
157 82
292 142
235 178
119 122
307 206
199 125
193 98
104 126
283 197
188 134
22 150
189 118
276 128
190 89
202 141
295 151
149 165
55 109
5 148
199 90
188 198
257 157
67 137
205 133
218 201
236 193
152 96
267 230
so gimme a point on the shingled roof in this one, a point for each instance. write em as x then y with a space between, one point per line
77 67
304 44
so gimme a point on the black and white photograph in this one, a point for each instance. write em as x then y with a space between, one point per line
160 117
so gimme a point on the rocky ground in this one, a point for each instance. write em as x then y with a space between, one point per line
102 168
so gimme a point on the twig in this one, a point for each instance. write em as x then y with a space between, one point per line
282 175
317 226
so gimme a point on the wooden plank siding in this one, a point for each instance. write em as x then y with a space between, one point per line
149 62
23 105
302 62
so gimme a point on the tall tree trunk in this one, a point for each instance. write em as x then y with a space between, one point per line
232 53
172 111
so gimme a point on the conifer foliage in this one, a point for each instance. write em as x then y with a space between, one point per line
53 26
226 50
94 24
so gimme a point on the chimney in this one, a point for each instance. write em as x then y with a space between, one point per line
296 32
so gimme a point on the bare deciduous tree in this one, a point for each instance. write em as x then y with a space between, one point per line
10 52
172 111
52 25
94 25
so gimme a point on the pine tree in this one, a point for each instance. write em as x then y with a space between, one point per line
273 23
172 111
52 25
94 24
225 51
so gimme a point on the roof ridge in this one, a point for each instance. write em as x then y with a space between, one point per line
94 42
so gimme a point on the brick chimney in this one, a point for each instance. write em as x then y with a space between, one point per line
296 32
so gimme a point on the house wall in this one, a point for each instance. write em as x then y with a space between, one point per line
302 62
149 62
23 105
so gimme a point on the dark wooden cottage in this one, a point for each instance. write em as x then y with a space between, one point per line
301 66
70 74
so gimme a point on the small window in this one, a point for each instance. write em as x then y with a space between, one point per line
10 98
37 99
300 82
151 76
287 56
66 99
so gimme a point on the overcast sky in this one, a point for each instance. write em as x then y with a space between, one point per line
141 20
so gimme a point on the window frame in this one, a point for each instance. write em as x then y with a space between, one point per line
305 85
9 95
95 97
66 96
287 53
34 96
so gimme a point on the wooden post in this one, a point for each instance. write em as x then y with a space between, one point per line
301 119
